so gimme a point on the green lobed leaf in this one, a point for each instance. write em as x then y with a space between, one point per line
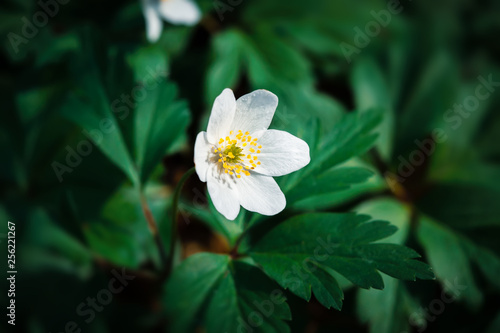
214 293
299 252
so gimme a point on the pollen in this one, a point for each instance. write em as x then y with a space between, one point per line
235 153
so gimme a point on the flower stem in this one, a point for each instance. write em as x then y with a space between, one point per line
175 211
153 227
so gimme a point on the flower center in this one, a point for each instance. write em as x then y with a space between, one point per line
237 153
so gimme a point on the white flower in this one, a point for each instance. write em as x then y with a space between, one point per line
174 11
238 156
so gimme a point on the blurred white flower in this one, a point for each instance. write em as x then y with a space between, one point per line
174 11
238 156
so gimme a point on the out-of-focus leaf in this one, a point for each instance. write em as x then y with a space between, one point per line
449 260
391 314
160 119
112 144
112 243
149 65
333 180
300 252
216 294
388 209
119 231
393 306
48 245
434 90
495 325
225 69
350 137
91 109
216 221
371 92
372 185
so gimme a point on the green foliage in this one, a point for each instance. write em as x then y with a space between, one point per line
99 124
307 247
214 285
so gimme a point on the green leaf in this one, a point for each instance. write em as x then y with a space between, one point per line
388 310
389 209
226 68
449 260
394 304
231 230
90 108
434 91
372 185
333 180
160 119
300 253
47 245
149 65
119 231
112 143
352 136
271 60
214 293
160 122
371 92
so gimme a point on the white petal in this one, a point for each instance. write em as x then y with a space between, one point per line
222 116
255 111
154 25
202 152
260 194
222 190
180 11
281 153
